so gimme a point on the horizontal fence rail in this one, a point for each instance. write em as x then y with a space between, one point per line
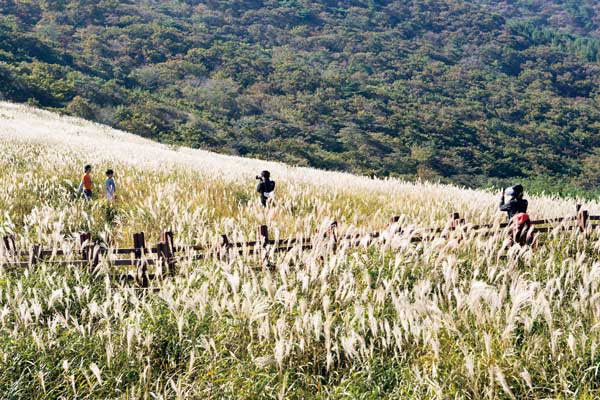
166 255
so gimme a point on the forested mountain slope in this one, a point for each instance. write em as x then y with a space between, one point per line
473 92
580 17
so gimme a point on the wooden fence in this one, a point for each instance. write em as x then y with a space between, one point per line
166 255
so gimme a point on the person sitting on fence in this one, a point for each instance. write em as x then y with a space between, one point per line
516 208
266 187
86 183
111 187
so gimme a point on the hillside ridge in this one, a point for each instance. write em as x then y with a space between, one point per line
94 142
465 92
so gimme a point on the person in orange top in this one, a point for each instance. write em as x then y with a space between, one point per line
86 183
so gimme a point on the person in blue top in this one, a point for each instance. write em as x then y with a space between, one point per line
111 187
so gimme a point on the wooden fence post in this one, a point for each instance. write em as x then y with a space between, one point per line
394 220
455 220
84 240
166 251
162 254
263 235
263 238
224 241
96 252
139 244
332 234
224 247
90 252
36 253
582 219
9 245
167 237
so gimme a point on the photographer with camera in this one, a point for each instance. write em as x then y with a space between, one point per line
516 208
516 205
265 187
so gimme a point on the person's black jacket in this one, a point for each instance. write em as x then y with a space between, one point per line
265 188
514 206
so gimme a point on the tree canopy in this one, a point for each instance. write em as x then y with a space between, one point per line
470 92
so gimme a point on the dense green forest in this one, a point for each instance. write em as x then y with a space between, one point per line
473 92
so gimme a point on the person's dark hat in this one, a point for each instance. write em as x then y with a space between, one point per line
518 189
265 174
515 191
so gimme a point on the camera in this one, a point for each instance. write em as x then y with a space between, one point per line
259 178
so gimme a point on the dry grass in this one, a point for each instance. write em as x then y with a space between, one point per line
446 318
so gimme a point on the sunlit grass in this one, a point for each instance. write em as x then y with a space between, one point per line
447 318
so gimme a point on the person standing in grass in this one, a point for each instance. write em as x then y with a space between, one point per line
265 187
111 187
86 183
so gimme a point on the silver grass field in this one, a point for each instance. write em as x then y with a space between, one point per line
456 316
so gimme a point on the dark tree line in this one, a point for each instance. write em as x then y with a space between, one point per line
475 92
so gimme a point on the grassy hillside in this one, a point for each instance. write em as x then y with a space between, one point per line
446 318
472 92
